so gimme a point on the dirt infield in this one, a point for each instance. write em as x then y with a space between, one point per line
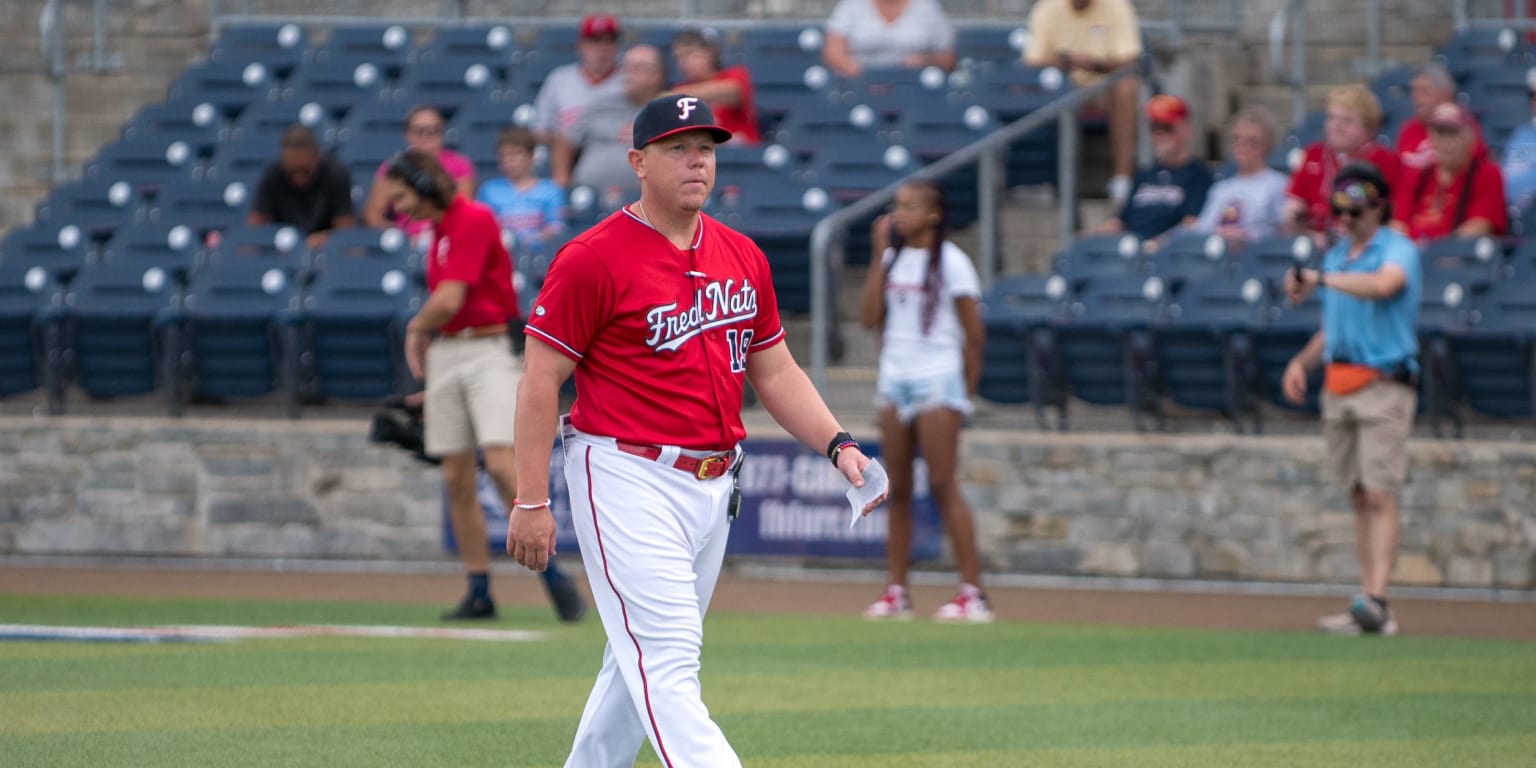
1463 618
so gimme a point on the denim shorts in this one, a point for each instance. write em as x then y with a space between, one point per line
913 396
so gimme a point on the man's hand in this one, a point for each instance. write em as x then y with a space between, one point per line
531 536
851 462
1294 383
1299 284
416 352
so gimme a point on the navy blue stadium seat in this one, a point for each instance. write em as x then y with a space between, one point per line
59 249
1394 84
829 130
25 292
1493 356
490 44
243 162
785 85
270 244
281 46
930 135
350 330
543 47
854 171
1203 348
892 92
387 46
338 84
147 163
230 85
1471 50
197 124
1446 302
1271 257
267 121
1499 115
1018 361
995 45
1103 343
1193 256
388 245
112 314
1463 258
231 338
203 205
1285 331
174 247
778 213
1102 255
1011 92
449 85
97 206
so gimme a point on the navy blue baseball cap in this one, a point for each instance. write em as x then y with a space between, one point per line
674 113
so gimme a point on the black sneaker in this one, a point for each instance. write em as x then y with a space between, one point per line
471 608
568 603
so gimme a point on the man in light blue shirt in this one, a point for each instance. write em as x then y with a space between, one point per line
1371 281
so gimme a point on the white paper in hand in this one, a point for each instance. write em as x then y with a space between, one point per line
875 484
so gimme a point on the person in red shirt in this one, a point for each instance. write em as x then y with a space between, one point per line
663 314
458 343
1462 194
1349 133
727 91
1431 87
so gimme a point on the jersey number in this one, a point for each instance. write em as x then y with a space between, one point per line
738 344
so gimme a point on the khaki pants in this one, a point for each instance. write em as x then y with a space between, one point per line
1367 435
471 394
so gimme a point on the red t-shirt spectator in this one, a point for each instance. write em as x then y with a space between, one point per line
1431 209
467 248
1414 150
740 120
1312 183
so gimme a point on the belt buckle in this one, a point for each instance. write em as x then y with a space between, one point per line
702 472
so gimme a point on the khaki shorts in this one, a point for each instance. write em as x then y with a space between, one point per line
471 394
1367 435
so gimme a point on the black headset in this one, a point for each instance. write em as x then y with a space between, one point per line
417 179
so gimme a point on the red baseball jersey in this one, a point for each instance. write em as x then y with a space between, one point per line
1312 183
660 335
1429 208
466 247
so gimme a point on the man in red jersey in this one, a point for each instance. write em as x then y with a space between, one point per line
1461 193
663 314
458 344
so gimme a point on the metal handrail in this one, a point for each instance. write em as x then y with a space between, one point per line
987 153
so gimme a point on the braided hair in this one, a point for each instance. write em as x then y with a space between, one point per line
933 277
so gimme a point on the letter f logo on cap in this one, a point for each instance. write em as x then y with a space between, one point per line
685 107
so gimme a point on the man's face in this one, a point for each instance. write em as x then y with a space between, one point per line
1426 96
1453 147
1170 141
694 63
425 132
299 165
678 170
1344 130
402 199
643 74
598 53
1249 149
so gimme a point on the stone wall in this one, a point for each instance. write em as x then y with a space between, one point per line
1118 505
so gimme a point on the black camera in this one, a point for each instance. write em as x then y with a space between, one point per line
400 425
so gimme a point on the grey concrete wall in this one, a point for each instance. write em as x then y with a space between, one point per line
1118 505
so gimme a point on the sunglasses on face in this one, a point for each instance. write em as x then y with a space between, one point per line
1352 212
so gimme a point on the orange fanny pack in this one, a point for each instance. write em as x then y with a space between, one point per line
1348 378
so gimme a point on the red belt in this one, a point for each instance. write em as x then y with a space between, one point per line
703 468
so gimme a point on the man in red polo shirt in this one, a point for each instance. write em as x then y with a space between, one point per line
458 342
1462 193
663 314
1431 86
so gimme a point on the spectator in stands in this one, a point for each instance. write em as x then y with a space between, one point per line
423 131
1088 39
604 132
1172 191
728 91
531 208
1247 205
1371 282
1462 194
571 87
303 189
888 34
921 295
457 343
1519 167
1349 133
1431 87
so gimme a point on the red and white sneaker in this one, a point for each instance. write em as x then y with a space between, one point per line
893 605
969 606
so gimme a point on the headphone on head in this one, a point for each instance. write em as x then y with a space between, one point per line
417 179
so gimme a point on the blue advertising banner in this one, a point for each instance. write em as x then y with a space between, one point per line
793 503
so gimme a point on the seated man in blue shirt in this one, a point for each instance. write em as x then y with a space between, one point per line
1171 192
1519 164
1372 283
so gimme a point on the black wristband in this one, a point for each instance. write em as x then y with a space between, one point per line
840 441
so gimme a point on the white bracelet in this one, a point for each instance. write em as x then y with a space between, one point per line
540 505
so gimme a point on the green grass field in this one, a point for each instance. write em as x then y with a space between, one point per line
788 690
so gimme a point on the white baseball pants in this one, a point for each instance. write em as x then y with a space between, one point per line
652 540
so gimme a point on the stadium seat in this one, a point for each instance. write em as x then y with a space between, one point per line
777 213
852 172
492 45
230 85
231 338
1193 256
892 92
1019 362
1471 50
386 46
1463 258
146 163
272 244
1445 308
1285 330
111 319
1203 349
176 248
1272 257
59 249
543 47
1493 355
97 206
267 121
202 205
349 331
1102 256
338 84
1105 347
1010 93
387 245
242 162
281 46
994 45
449 85
196 124
25 292
931 135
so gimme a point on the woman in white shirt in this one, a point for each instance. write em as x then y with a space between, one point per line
921 294
887 34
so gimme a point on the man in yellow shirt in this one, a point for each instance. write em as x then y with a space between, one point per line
1087 39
